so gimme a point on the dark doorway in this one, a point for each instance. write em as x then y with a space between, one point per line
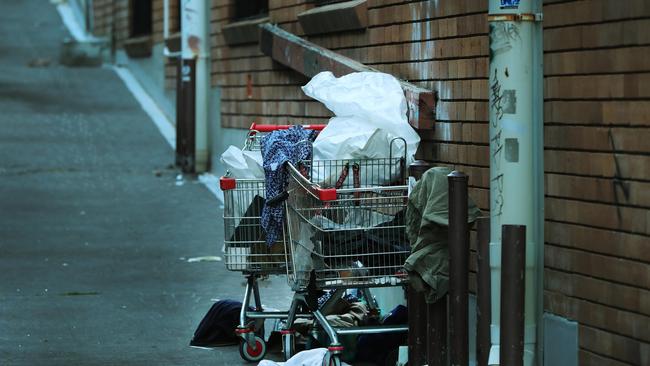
141 14
250 8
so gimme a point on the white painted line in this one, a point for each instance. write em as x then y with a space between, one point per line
70 20
157 116
148 105
211 182
165 127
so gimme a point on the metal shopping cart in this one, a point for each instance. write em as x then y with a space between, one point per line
346 233
246 249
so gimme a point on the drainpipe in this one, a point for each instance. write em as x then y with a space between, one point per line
516 151
195 48
166 51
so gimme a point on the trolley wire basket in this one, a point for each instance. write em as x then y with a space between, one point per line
245 246
345 221
246 249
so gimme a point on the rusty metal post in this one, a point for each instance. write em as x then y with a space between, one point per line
417 334
483 291
513 272
179 112
186 125
458 269
437 333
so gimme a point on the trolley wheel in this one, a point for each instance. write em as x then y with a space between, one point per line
253 354
331 360
288 346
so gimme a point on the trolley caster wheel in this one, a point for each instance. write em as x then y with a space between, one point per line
288 345
253 354
331 360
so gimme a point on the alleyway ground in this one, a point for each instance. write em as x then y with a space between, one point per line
93 243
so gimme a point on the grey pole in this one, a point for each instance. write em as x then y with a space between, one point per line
483 312
516 152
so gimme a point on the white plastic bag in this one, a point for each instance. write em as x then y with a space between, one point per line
243 164
312 357
370 110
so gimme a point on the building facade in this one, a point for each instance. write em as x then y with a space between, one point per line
596 122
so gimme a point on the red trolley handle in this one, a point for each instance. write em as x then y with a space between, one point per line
271 128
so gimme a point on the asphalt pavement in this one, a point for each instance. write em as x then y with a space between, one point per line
95 228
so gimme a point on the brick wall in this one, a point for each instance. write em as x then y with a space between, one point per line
157 20
597 128
121 21
254 88
115 14
102 17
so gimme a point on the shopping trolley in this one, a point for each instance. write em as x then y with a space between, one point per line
246 249
346 230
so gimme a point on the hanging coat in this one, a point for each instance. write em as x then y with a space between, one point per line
427 221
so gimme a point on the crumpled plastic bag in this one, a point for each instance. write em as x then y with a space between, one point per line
312 357
243 164
370 110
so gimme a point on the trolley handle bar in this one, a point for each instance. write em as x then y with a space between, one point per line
227 183
270 128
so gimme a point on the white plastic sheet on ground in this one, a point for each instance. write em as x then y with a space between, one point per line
370 110
313 357
243 164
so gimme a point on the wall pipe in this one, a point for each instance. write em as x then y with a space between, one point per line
516 152
166 19
483 291
166 51
458 270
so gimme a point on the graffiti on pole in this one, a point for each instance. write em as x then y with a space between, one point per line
502 37
496 143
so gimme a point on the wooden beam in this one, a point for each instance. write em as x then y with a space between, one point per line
338 17
309 59
243 32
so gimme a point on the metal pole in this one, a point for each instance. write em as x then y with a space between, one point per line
483 292
516 152
186 125
179 111
437 333
417 334
458 269
203 83
513 287
195 53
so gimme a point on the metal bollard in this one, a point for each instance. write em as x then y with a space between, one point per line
458 269
513 272
483 291
437 333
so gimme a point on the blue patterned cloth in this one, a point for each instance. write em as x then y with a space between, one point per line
278 148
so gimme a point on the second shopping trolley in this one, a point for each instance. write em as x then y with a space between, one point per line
246 250
346 230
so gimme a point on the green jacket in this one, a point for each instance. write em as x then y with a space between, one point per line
427 220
